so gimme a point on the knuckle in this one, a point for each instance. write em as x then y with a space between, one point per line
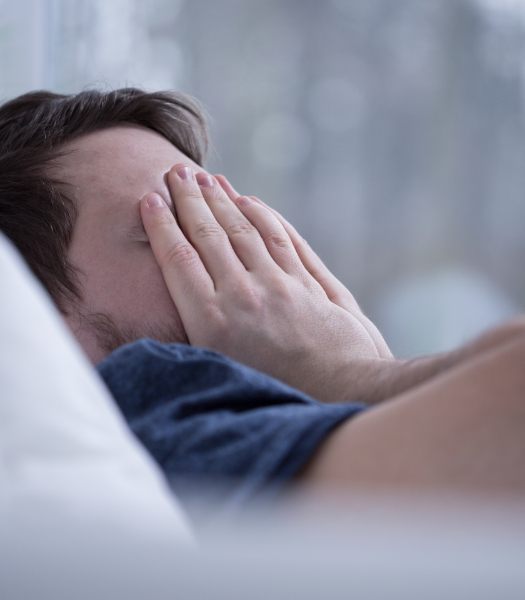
278 240
207 229
240 228
180 253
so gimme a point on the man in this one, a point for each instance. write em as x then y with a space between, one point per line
90 186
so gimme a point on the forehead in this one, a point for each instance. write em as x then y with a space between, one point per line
118 166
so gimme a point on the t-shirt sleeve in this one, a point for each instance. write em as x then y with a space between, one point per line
207 419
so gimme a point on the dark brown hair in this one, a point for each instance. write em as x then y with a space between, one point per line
35 211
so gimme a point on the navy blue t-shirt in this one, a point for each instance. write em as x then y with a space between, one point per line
208 419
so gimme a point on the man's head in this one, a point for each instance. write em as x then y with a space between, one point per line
72 172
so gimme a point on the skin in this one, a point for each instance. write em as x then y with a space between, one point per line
460 426
299 334
462 431
108 172
232 275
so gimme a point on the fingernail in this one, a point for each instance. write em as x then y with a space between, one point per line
184 172
154 201
204 180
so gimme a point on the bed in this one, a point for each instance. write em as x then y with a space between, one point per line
85 513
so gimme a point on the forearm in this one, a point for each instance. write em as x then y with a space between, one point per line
376 380
373 381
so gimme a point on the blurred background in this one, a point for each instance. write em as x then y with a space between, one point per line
390 132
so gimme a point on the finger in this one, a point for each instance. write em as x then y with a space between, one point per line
227 187
182 269
201 227
244 237
337 292
306 258
272 233
276 239
332 287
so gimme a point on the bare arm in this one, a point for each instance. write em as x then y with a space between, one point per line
460 431
382 380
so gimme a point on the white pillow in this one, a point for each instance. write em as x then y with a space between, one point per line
74 482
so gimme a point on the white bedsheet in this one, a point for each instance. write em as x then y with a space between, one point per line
85 515
74 482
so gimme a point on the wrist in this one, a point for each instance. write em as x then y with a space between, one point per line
376 380
364 380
